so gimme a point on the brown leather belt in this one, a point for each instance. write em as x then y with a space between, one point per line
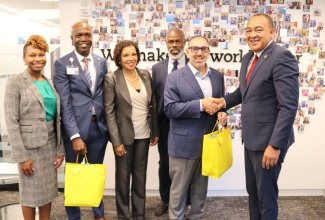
94 118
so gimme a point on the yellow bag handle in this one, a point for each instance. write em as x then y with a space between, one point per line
221 129
217 122
85 159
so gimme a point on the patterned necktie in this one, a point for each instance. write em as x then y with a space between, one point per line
86 70
175 65
251 68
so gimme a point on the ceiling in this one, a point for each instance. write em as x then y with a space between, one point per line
28 6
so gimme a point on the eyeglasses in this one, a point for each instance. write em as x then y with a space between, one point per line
174 41
196 49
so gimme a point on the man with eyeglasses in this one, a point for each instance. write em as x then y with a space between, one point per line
176 59
189 98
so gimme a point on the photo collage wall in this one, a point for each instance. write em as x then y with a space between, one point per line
299 26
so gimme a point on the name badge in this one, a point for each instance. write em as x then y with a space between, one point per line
72 70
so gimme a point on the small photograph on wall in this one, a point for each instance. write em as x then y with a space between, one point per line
120 30
306 8
149 44
214 42
119 38
321 55
113 30
95 14
276 1
97 5
311 110
85 12
294 5
301 127
317 12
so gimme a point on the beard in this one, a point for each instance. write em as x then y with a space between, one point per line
177 56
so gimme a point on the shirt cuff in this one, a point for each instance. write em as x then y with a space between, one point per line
74 136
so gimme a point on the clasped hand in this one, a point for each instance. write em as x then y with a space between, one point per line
212 105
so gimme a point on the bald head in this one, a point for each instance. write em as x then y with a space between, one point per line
80 24
82 38
177 31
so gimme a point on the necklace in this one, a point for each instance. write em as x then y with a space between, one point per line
131 80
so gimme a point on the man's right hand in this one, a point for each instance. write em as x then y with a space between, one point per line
212 105
79 146
219 102
209 106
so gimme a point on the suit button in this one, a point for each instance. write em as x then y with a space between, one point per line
42 119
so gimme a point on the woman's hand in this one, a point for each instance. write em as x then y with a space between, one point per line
222 117
154 141
58 161
120 150
27 167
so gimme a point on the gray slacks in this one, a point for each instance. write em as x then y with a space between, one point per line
183 173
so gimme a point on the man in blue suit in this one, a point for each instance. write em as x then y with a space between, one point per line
78 78
176 60
269 95
189 95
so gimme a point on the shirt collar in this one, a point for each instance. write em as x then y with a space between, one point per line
80 58
195 71
180 60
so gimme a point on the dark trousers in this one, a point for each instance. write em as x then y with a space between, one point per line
133 163
262 186
96 146
163 172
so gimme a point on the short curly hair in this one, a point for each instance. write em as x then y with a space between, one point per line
118 51
37 42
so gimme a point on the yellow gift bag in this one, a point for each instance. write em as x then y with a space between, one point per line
217 152
84 184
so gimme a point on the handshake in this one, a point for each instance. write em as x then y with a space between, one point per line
212 105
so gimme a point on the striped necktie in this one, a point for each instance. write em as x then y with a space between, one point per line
86 70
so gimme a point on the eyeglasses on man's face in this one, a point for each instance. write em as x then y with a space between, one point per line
196 49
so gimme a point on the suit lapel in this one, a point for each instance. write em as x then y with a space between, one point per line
31 85
260 61
97 67
190 78
57 121
121 85
214 83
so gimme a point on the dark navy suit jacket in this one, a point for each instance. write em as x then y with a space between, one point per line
269 101
76 97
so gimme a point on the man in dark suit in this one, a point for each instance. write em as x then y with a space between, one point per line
269 93
188 102
78 78
175 45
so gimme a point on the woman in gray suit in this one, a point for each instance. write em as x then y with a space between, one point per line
32 115
131 116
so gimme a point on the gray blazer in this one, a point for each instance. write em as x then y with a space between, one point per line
118 107
25 117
